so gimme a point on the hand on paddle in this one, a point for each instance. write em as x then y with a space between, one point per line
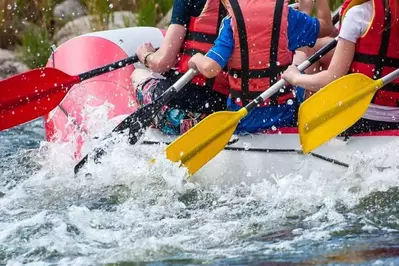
208 67
291 74
144 50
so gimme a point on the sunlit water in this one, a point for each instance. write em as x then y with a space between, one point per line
130 211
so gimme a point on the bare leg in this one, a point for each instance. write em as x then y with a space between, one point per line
139 76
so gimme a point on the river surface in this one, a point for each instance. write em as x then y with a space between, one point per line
129 213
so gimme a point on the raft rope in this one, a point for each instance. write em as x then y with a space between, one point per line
266 150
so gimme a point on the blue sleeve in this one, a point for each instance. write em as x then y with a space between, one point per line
224 44
303 29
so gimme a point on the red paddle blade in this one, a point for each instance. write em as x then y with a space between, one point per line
32 94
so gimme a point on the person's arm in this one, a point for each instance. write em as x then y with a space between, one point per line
216 59
339 66
306 6
164 59
353 27
205 65
324 17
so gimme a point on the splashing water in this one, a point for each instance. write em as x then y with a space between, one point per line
129 210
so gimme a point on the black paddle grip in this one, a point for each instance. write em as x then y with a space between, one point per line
109 68
323 51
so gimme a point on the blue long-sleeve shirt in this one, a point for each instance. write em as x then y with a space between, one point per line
303 30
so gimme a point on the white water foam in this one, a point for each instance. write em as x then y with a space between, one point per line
129 209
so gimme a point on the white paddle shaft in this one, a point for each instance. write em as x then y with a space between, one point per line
390 77
304 65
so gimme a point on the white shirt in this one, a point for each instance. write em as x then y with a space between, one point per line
355 24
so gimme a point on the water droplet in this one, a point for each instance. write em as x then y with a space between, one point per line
246 146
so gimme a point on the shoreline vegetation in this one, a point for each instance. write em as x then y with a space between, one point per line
29 27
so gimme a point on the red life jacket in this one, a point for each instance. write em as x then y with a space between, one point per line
261 51
202 31
377 52
344 8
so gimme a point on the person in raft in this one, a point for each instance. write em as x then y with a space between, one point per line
369 44
256 42
193 28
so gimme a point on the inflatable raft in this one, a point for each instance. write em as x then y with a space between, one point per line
273 153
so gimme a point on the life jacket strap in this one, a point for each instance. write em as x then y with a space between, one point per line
201 37
245 73
279 98
258 73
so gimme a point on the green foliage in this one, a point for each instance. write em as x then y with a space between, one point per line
334 4
150 11
102 9
35 48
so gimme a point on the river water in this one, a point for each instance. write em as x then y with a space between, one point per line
128 213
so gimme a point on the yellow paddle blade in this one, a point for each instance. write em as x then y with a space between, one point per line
204 141
334 108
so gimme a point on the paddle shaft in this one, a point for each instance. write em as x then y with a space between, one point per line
252 105
108 68
142 117
157 104
390 77
304 65
181 82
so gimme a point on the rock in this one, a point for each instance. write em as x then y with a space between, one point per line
89 24
9 65
164 23
69 10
